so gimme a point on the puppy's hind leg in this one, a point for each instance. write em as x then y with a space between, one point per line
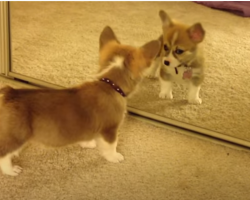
10 146
15 132
6 163
7 167
107 144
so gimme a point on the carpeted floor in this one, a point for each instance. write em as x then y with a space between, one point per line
58 42
159 164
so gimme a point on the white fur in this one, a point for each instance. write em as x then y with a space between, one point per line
166 89
7 167
108 151
193 94
166 86
172 60
178 78
116 62
89 144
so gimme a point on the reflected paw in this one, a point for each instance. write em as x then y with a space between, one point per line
166 95
114 158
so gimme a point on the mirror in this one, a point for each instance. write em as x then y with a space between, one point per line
57 42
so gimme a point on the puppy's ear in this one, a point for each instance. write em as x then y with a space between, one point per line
196 33
106 36
166 21
151 49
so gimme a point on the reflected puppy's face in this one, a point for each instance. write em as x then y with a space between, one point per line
179 41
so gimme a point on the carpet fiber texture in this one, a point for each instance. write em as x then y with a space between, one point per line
58 42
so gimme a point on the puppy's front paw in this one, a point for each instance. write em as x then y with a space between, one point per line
195 100
14 171
115 158
166 95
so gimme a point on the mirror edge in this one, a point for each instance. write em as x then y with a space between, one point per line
4 38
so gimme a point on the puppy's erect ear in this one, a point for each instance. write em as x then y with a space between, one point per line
166 21
106 36
151 49
196 33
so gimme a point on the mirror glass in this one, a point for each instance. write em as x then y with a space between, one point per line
57 42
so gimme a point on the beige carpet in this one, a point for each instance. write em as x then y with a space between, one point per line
58 42
159 164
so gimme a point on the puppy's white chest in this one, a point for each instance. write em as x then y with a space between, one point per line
180 74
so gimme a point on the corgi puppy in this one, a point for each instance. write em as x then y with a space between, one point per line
180 59
89 114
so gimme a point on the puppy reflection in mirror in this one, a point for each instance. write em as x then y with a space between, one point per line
180 59
89 114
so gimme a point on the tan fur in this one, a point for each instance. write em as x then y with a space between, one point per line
91 111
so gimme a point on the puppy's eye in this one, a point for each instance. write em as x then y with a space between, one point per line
179 51
165 47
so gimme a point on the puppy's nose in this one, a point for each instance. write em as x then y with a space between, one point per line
166 62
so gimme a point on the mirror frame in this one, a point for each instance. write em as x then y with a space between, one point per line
7 74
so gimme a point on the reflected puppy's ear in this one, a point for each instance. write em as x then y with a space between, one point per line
107 35
166 21
196 33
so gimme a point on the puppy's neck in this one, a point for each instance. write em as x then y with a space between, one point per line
120 75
